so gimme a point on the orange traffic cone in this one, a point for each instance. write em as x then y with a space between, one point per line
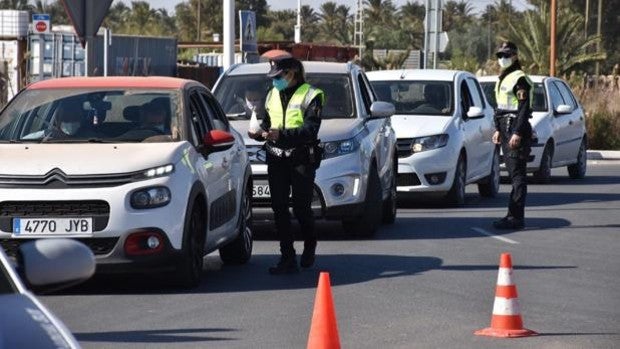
324 330
506 320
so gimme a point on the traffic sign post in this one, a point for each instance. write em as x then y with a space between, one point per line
41 23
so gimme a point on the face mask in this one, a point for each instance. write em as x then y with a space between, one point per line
70 128
252 105
280 83
504 62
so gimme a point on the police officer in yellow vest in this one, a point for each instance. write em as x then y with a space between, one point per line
290 128
513 92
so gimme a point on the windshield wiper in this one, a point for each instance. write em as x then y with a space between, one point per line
10 141
76 140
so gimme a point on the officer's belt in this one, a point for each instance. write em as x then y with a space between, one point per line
279 152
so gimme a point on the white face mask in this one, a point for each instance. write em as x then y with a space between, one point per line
70 128
504 62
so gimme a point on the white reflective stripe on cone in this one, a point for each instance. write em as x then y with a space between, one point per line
506 306
504 277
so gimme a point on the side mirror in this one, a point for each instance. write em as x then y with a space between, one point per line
381 109
563 109
51 264
475 112
217 140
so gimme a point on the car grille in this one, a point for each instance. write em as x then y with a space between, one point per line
56 178
407 180
403 146
97 209
99 246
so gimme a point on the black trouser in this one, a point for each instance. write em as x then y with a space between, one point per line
516 164
284 175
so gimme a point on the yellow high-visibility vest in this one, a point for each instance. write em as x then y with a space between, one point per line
294 116
504 94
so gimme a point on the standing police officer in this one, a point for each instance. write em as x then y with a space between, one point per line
513 92
290 128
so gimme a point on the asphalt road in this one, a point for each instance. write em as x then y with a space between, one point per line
428 281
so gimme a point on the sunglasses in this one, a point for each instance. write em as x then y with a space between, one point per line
281 75
503 55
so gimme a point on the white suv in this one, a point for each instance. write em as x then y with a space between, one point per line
356 182
558 121
444 127
146 172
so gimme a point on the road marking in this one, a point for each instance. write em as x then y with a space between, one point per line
484 232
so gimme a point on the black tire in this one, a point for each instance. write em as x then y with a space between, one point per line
366 224
578 170
239 250
543 174
189 268
389 204
489 186
456 195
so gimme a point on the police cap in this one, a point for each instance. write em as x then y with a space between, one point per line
278 66
507 48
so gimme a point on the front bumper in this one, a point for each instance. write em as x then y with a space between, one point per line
429 171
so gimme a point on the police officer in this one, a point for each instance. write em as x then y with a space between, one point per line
513 92
290 127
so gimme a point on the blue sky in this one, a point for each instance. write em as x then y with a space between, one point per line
292 4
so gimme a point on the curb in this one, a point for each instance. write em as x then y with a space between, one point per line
603 155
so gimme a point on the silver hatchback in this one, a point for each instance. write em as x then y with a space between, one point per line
356 182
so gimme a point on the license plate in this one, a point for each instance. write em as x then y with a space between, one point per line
26 226
261 191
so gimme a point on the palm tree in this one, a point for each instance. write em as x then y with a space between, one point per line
309 24
532 38
456 15
335 23
412 23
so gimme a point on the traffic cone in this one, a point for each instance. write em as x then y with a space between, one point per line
506 319
323 330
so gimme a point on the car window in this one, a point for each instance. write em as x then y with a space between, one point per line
488 88
416 97
216 121
567 95
82 115
476 93
539 102
366 99
198 124
556 97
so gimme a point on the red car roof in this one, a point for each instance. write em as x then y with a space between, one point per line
163 82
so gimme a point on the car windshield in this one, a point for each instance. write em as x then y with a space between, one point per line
539 102
234 92
416 97
92 115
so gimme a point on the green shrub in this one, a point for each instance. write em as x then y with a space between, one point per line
603 130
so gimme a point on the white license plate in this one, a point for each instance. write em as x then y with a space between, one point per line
261 191
25 226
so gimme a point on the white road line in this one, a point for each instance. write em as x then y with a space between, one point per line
484 232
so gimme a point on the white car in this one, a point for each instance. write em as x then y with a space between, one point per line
43 266
85 158
444 127
558 121
356 181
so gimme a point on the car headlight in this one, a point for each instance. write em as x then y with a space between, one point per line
338 148
155 172
150 197
427 143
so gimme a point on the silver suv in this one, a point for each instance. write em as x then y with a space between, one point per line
356 182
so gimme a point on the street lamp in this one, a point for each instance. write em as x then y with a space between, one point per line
298 26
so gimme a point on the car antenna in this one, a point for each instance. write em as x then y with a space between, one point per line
403 73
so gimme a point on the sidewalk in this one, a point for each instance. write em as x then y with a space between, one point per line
603 154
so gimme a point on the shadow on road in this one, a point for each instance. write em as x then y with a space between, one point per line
154 336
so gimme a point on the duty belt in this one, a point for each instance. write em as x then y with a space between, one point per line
279 152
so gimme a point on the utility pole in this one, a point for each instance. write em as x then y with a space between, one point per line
598 32
198 23
229 33
298 26
358 34
553 48
586 19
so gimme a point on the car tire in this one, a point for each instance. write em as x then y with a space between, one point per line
489 186
366 224
456 195
543 174
189 268
239 250
578 170
389 204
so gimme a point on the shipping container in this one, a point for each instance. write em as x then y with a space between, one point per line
14 24
10 69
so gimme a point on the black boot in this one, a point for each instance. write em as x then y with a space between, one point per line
286 265
308 256
509 223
